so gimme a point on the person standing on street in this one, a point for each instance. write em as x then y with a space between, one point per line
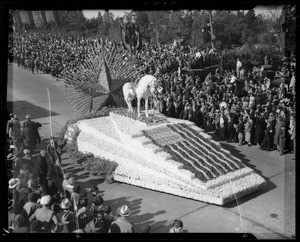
14 131
121 224
31 133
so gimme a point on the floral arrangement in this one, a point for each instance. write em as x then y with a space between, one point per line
169 157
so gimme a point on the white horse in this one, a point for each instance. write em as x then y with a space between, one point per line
146 86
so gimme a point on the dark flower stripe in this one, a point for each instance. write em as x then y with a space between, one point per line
194 159
234 164
195 153
222 169
187 166
195 139
214 165
228 156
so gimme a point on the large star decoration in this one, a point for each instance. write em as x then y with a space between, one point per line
108 89
99 89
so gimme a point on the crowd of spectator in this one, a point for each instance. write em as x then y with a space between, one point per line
44 199
254 113
239 105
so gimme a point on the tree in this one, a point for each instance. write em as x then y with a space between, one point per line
158 22
143 22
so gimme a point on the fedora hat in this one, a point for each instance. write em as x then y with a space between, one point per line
13 182
123 211
66 203
28 116
45 200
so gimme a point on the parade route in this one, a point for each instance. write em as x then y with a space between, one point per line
268 213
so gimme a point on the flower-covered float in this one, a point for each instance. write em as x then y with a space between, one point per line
167 155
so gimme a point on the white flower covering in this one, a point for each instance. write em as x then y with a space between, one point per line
142 163
99 126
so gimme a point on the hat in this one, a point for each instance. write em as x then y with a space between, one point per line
10 156
28 116
66 203
26 152
13 182
57 228
12 147
123 211
45 200
67 217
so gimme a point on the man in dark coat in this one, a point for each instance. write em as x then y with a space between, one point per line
267 143
260 125
31 133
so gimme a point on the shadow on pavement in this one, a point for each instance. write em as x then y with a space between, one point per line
269 185
21 108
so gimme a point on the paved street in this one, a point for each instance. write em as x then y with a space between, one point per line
268 213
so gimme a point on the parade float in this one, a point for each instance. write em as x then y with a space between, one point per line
167 155
148 149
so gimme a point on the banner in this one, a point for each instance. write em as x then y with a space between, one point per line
38 19
49 16
25 19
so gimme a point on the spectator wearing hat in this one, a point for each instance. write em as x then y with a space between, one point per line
27 161
31 133
177 226
121 224
45 214
14 131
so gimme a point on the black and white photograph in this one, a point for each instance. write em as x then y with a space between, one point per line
151 121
